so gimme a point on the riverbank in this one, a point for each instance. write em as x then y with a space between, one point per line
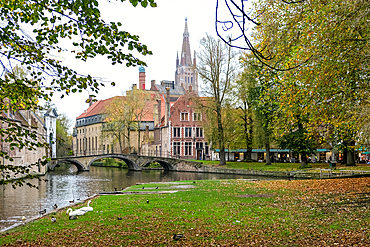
286 170
215 212
277 170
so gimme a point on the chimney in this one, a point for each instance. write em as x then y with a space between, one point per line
141 78
152 86
167 113
159 103
91 101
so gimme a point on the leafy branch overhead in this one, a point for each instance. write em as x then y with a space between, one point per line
34 35
78 21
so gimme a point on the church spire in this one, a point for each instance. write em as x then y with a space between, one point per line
186 46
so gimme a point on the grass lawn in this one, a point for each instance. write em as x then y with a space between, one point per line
332 212
279 166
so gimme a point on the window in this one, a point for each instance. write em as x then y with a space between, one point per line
176 148
206 151
199 132
176 132
184 116
199 145
187 148
187 132
197 116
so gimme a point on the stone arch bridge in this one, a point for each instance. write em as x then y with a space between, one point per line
133 161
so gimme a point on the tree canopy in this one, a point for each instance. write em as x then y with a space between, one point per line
320 49
72 26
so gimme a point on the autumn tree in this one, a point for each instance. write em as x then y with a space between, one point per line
333 38
141 102
119 122
63 137
217 68
125 114
78 24
247 96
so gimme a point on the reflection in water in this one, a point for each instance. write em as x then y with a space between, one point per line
66 184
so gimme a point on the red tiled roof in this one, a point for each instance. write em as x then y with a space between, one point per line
97 108
100 107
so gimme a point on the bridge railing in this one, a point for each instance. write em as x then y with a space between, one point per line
153 153
90 152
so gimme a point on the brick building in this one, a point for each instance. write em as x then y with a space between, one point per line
45 130
88 136
179 132
173 128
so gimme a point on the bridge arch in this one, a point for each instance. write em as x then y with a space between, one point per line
131 164
78 164
166 165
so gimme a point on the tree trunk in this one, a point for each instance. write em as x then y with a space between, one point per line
345 151
221 143
138 140
303 161
120 142
267 146
128 139
250 138
222 157
351 154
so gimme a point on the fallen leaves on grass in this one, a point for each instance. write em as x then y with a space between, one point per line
331 212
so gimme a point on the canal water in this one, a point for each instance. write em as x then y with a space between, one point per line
65 184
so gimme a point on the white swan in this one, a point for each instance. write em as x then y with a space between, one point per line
88 208
75 213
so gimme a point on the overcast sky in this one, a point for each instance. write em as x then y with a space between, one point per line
161 29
